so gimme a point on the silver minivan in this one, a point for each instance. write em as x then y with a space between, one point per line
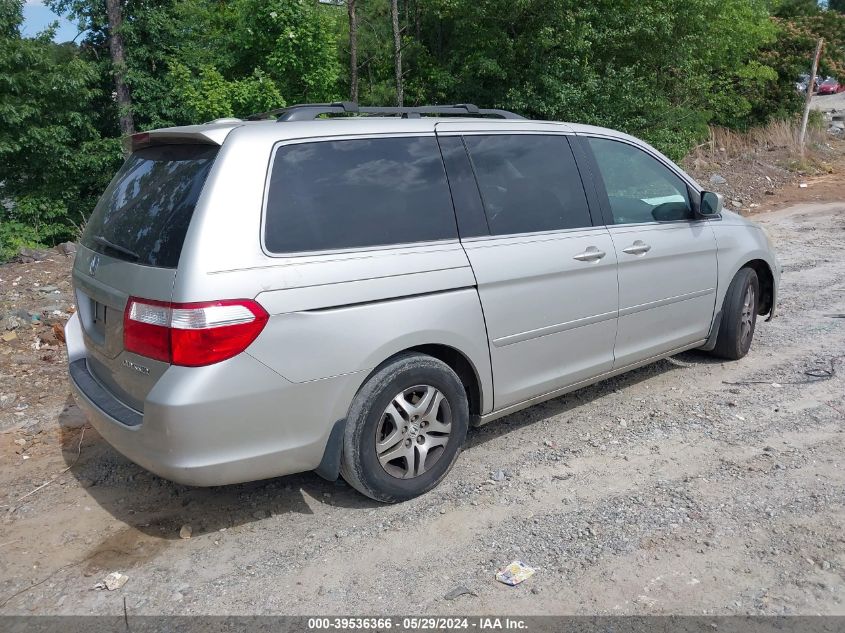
346 290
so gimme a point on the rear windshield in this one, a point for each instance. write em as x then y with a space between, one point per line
144 214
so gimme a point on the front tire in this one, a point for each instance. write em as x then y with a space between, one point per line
739 316
405 429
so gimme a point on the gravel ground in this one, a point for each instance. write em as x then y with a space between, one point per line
829 103
666 490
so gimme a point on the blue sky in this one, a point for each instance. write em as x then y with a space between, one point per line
36 17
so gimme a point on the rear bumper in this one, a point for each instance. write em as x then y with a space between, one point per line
227 423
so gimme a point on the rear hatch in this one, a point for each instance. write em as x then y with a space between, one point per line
132 244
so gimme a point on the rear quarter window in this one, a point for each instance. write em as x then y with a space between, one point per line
332 195
144 214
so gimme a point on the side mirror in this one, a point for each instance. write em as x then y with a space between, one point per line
711 204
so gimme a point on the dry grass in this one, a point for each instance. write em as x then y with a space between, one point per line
777 135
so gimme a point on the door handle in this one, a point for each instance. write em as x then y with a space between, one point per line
637 248
592 254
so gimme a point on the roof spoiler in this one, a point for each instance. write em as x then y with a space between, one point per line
209 134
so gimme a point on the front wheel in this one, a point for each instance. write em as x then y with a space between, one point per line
739 316
405 429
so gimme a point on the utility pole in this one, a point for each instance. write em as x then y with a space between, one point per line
809 99
397 52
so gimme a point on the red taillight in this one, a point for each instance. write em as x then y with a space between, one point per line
191 334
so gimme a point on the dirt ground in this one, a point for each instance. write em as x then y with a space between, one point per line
690 486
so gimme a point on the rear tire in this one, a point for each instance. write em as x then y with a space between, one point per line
405 429
739 316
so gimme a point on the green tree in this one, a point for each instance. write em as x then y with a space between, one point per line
53 161
208 95
295 42
661 69
243 54
794 8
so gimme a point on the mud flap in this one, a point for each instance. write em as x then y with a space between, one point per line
710 345
329 467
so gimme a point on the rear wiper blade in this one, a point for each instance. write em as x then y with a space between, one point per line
116 247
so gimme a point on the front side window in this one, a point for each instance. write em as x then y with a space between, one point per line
529 183
330 195
640 188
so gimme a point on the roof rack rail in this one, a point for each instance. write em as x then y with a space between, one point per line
310 111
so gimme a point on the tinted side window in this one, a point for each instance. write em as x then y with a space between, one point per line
528 183
640 187
468 207
357 193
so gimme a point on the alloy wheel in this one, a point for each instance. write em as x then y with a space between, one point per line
413 431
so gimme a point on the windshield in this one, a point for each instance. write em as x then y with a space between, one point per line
144 214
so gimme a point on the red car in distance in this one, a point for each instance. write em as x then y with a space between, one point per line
830 86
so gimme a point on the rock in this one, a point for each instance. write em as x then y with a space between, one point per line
717 179
13 322
499 475
9 337
769 192
66 248
458 591
825 565
186 531
29 255
260 514
48 289
113 581
736 203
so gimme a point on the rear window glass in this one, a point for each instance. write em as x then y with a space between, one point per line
144 214
358 193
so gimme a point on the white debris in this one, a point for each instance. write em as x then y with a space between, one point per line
113 581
